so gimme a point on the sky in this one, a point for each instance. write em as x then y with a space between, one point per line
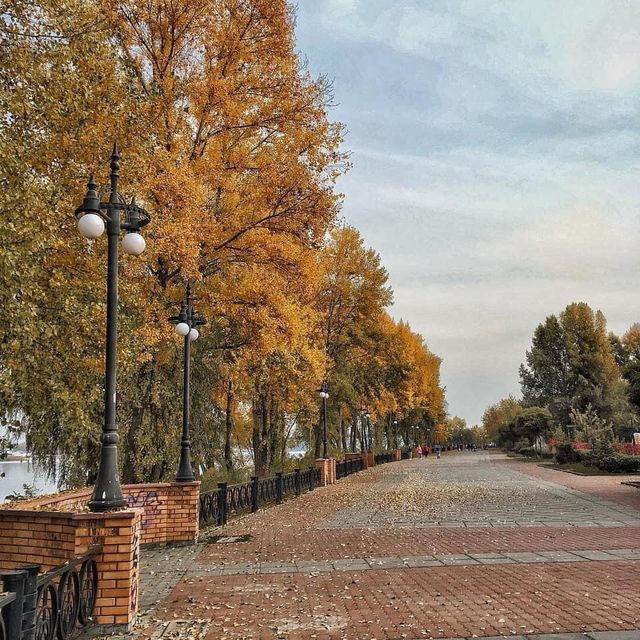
496 166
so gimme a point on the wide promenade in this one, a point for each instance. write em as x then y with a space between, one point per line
471 545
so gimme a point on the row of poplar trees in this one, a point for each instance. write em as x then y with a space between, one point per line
225 137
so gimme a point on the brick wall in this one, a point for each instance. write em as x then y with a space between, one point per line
118 533
28 537
49 531
170 509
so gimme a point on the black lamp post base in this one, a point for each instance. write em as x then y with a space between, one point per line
108 499
185 472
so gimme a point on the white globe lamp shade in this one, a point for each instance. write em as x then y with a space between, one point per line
182 328
133 243
91 226
194 334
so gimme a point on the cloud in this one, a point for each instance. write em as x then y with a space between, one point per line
495 165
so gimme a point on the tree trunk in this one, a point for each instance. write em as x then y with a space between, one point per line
354 433
318 439
363 436
130 468
260 439
343 431
229 423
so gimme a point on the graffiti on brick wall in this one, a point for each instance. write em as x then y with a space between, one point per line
146 499
135 572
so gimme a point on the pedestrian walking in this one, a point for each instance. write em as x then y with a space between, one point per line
419 451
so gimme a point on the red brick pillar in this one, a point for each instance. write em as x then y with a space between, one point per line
397 455
118 533
182 512
327 468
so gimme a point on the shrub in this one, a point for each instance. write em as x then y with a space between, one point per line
566 454
619 464
628 448
581 446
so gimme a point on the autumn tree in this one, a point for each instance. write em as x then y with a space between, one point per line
226 137
499 414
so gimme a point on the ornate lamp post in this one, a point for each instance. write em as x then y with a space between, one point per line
369 438
117 215
323 392
186 323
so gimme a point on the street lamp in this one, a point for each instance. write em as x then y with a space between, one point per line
116 215
323 392
367 417
187 323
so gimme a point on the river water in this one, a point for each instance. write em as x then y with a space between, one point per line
19 472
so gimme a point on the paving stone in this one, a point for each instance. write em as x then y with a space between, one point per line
631 554
595 555
419 562
365 569
559 636
614 635
501 560
561 556
525 557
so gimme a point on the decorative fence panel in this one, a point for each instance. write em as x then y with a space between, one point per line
228 501
383 458
346 467
6 602
51 605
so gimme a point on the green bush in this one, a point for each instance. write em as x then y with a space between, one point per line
619 464
521 445
566 454
600 450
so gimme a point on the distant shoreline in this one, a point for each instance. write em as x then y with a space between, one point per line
12 457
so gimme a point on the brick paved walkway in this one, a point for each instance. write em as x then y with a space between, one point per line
471 545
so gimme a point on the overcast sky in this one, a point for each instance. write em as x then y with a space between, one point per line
496 165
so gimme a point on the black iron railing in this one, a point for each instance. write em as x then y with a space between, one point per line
6 600
405 454
345 468
383 458
227 501
51 605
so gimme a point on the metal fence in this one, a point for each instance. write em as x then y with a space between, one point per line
382 458
217 507
346 467
405 454
227 501
51 605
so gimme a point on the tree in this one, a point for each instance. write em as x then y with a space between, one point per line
525 428
587 425
235 157
499 414
631 364
571 364
546 379
227 138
